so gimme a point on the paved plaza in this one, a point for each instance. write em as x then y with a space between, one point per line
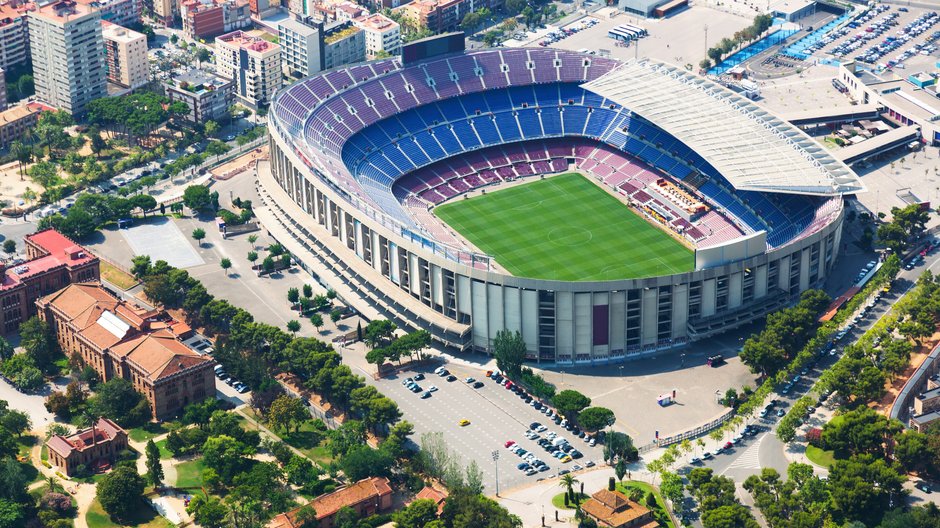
161 239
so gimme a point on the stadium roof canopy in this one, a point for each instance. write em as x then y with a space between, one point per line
753 149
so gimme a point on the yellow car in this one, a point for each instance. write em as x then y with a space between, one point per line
463 423
565 459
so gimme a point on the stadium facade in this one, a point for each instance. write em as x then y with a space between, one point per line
360 156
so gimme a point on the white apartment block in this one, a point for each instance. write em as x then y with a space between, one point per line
382 35
254 64
68 55
125 55
343 43
300 47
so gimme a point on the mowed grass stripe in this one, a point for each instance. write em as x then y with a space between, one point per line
565 228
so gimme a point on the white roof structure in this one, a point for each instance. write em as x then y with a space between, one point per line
753 149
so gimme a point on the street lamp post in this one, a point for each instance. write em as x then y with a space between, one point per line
496 463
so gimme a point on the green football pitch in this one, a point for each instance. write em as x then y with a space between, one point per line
565 228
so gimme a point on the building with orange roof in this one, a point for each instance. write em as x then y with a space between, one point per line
53 262
95 447
18 119
14 34
433 494
366 497
119 339
613 509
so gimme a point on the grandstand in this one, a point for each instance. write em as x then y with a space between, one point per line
369 153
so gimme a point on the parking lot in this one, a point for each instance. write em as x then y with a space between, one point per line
886 36
495 415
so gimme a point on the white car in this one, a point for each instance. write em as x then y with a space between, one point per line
432 388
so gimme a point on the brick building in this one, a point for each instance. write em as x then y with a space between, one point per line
53 261
118 339
445 15
95 447
366 497
207 19
18 119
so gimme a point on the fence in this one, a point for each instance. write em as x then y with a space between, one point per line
688 435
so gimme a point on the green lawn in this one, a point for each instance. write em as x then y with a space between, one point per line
819 456
566 228
307 440
144 517
558 501
189 474
164 452
146 432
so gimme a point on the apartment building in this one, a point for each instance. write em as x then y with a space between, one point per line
254 65
119 339
68 55
53 262
125 55
14 35
16 120
382 35
445 15
3 90
207 95
207 19
120 12
164 11
309 46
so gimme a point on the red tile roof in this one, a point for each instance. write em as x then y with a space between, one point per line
327 505
61 252
104 431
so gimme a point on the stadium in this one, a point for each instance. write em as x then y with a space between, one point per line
605 209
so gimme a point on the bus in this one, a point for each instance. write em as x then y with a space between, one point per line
622 33
639 31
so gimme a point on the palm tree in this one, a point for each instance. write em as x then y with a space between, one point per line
22 153
568 482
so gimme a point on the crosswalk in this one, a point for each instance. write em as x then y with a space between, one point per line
749 459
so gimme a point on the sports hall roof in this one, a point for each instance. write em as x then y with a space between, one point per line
753 149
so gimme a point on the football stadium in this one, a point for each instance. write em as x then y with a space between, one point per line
605 209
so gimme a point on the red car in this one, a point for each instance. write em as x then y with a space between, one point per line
728 445
508 384
509 443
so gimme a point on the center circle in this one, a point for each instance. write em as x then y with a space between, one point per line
569 236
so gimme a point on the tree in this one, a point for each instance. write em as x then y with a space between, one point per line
120 492
39 342
267 265
293 295
316 320
226 455
470 510
154 468
858 431
570 402
379 331
510 350
198 235
620 469
596 418
763 355
286 412
9 246
118 400
416 515
252 257
568 482
252 239
293 326
16 422
22 153
306 517
211 128
705 64
207 512
912 450
197 197
44 173
225 264
363 462
6 349
308 291
335 316
864 487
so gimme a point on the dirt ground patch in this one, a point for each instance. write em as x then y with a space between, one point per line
895 386
239 164
11 187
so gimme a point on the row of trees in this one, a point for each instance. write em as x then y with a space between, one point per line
784 335
907 225
749 34
92 211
